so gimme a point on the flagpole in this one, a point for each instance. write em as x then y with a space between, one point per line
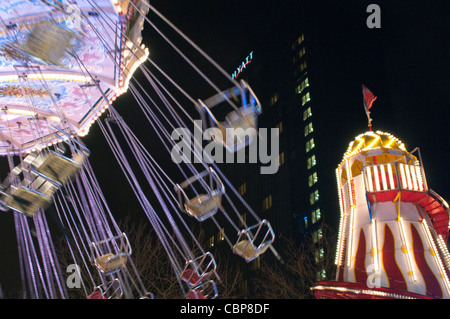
368 99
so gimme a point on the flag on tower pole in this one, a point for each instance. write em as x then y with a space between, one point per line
368 99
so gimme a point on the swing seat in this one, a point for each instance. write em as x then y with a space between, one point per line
238 131
250 246
57 168
242 118
245 249
199 270
204 206
49 43
27 201
110 263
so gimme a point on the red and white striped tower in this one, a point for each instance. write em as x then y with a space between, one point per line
393 228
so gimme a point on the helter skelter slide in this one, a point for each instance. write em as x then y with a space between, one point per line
393 227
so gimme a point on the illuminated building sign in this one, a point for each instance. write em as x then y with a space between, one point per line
242 66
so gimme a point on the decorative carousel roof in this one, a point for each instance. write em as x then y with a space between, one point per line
374 140
63 63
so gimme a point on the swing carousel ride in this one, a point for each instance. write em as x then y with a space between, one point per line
62 65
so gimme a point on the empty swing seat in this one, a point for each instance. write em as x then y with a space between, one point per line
110 255
27 201
204 206
248 251
199 270
56 167
110 263
250 246
239 128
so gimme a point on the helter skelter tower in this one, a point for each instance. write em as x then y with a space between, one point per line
393 227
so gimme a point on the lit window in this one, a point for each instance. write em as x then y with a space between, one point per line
318 254
307 113
303 84
306 98
321 275
267 202
221 235
308 129
317 235
299 40
305 222
315 216
281 159
311 162
243 188
274 98
314 197
303 66
301 52
280 127
312 179
310 145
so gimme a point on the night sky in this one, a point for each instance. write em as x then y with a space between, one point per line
405 64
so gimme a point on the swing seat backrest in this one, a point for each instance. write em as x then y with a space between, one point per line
204 206
250 246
